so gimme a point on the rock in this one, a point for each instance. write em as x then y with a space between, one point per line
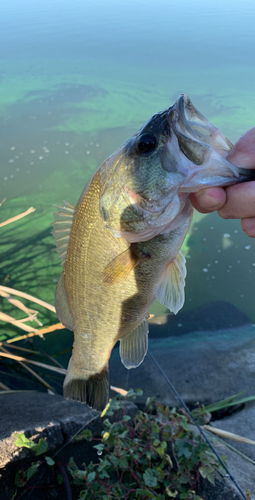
202 366
41 415
242 424
216 315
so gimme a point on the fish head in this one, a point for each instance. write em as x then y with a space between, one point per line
147 181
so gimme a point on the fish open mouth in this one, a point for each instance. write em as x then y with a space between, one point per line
204 149
193 125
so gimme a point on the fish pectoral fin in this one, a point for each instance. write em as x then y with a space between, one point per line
171 290
62 306
133 347
120 268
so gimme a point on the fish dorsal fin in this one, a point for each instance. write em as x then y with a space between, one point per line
134 346
120 268
171 290
62 306
62 227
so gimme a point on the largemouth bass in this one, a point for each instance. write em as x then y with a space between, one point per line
120 246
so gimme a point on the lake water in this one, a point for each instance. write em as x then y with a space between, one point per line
77 78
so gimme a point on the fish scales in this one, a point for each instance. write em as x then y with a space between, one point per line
120 246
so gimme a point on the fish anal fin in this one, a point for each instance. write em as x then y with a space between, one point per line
62 306
171 290
134 346
120 268
92 390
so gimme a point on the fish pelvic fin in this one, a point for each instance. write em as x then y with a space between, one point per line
134 346
62 227
120 268
92 390
171 290
62 306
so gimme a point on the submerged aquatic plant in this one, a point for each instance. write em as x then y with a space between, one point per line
30 315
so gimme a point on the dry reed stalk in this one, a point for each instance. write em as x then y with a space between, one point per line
228 435
52 328
32 314
28 297
17 217
23 349
6 354
16 322
51 358
119 390
3 386
19 360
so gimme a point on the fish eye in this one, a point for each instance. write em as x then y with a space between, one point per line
146 143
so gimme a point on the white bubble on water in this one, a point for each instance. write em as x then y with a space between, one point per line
195 228
66 143
40 157
226 235
11 176
230 267
99 452
12 148
88 152
11 160
205 270
216 261
179 324
5 178
242 295
31 163
16 157
32 151
212 227
213 277
204 239
66 152
236 231
17 169
239 262
219 251
248 247
253 264
97 145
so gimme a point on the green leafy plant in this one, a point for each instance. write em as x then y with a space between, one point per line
40 448
156 454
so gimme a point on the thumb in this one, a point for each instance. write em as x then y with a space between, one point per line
208 200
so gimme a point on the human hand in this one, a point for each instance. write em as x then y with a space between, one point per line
238 201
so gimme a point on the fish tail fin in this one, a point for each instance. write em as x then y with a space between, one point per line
93 389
